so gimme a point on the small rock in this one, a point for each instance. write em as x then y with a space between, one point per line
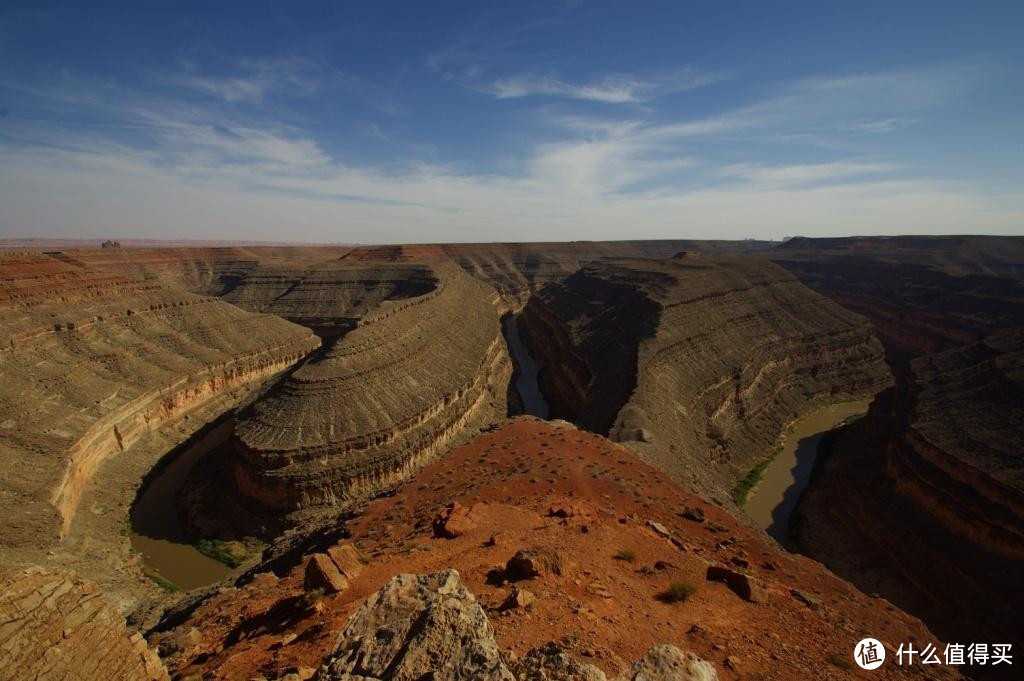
181 641
808 600
347 559
322 573
519 598
534 562
696 514
742 585
659 528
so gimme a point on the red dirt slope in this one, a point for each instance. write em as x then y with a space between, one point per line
581 500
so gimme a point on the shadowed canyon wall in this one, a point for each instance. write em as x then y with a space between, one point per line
922 501
698 362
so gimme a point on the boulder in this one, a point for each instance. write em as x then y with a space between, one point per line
534 562
418 627
572 508
665 662
741 584
551 662
453 521
322 573
659 528
347 559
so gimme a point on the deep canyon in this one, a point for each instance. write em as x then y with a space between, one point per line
306 404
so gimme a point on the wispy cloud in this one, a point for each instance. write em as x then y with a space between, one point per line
883 125
254 79
612 89
769 176
208 169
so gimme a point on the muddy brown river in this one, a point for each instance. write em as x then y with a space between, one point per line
157 531
772 502
527 384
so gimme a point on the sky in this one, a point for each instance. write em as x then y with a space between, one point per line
388 122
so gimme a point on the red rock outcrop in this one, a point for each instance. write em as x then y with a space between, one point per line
603 603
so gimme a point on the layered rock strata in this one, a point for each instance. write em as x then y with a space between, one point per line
923 294
55 626
390 395
700 360
517 269
923 501
330 298
92 362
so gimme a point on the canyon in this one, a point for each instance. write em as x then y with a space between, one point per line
921 501
344 417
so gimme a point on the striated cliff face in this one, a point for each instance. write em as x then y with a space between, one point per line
517 269
923 294
93 361
390 395
57 626
698 361
329 298
210 270
923 501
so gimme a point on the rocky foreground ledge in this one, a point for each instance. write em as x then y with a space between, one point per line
574 560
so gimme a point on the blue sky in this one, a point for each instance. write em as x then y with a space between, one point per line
483 121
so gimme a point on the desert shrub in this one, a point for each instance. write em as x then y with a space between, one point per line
677 592
840 661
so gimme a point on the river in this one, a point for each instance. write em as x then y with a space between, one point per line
164 542
157 531
527 384
772 502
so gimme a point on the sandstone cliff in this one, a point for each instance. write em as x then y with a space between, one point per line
57 627
389 396
923 501
517 269
94 361
330 298
700 361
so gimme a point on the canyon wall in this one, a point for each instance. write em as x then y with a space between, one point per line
329 296
388 396
923 500
699 362
517 269
93 361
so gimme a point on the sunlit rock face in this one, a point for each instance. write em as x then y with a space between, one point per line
93 360
697 361
390 395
